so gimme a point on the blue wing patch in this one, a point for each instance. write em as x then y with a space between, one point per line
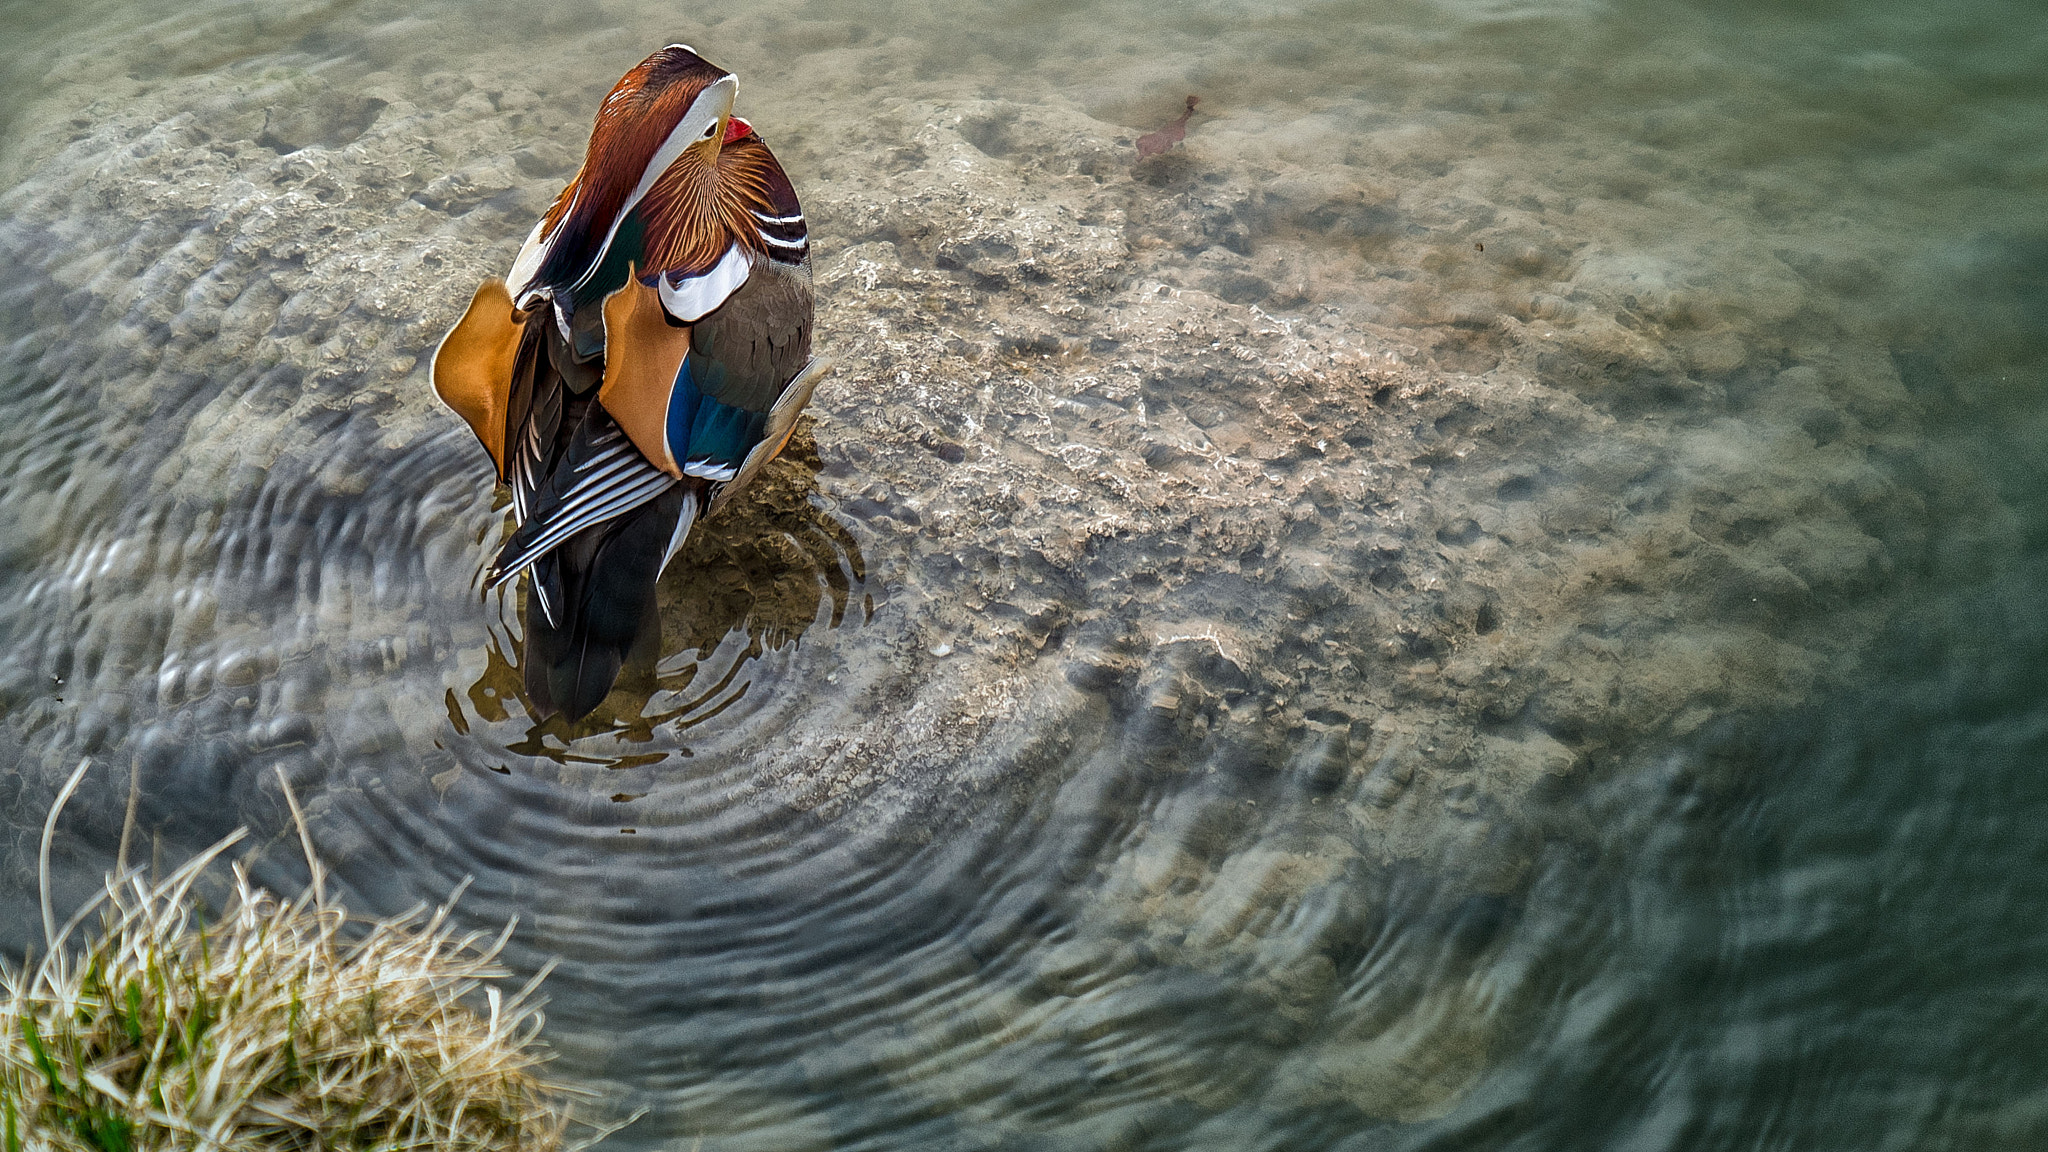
709 438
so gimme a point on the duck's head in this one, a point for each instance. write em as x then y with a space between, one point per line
670 115
673 108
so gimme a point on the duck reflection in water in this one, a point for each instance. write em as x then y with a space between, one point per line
644 360
756 579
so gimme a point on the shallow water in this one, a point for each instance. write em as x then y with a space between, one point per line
1491 599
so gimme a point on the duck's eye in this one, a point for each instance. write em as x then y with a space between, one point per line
710 132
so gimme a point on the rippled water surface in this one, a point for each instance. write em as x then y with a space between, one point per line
1493 598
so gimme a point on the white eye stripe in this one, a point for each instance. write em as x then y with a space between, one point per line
718 95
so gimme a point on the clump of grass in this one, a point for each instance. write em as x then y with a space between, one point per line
274 1025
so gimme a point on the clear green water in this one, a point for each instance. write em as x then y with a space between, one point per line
1336 837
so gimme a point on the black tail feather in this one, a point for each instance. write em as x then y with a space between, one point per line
604 578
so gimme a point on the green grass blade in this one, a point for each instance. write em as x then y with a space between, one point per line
134 1020
44 1064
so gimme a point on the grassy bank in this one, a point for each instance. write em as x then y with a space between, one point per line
268 1024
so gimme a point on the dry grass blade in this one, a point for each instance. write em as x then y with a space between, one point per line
276 1025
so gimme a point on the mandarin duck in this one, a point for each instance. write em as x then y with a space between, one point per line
644 359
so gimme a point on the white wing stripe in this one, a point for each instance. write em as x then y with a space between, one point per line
598 494
625 502
710 471
557 532
519 490
682 532
546 609
597 479
610 448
